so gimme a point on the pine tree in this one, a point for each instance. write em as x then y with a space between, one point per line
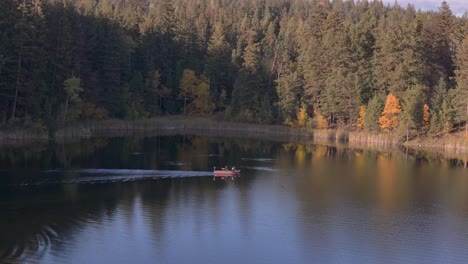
461 102
8 30
218 67
289 89
375 108
73 89
437 37
362 43
437 99
399 59
412 114
252 53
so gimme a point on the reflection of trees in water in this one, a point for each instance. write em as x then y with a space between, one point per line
49 215
394 188
41 219
45 156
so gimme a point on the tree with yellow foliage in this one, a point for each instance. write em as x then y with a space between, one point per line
202 104
320 121
389 118
426 117
187 87
302 117
195 93
362 116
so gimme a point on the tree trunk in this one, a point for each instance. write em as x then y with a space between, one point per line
160 105
466 119
66 109
407 134
18 76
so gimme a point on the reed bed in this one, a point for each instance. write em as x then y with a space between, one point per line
364 138
172 125
451 143
162 125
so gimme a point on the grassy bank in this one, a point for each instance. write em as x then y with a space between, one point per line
160 126
172 125
457 142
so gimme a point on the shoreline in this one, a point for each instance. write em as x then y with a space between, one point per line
170 125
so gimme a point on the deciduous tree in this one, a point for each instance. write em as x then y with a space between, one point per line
390 115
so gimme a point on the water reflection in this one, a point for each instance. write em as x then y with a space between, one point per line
137 199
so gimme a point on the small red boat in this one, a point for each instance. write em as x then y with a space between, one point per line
225 172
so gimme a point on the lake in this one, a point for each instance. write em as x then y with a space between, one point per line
154 200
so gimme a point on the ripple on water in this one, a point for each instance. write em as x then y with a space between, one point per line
91 176
32 250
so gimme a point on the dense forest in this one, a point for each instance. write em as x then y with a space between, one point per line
306 63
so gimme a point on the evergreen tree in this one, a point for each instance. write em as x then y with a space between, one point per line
187 88
289 89
412 110
374 110
461 102
203 103
437 99
399 57
265 60
218 68
73 89
437 37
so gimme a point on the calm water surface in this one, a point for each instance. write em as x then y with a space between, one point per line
154 200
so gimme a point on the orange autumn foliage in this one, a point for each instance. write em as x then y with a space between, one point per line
389 118
302 117
320 121
362 116
426 116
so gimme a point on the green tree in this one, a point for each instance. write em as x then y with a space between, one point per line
438 38
375 108
289 89
399 59
219 69
202 103
461 102
412 110
187 88
72 87
437 99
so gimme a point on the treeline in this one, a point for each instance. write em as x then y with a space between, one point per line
315 63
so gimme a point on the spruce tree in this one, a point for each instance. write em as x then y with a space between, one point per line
461 100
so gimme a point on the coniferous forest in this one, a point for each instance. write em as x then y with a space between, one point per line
304 63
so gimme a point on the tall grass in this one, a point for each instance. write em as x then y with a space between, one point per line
208 126
165 125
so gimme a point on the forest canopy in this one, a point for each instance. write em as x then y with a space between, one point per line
306 63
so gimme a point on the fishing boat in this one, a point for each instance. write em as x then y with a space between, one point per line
225 172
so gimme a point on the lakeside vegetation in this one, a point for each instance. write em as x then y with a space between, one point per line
355 71
453 144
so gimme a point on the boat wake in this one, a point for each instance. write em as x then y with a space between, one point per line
92 176
259 159
259 168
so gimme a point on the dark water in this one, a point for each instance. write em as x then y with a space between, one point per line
153 200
